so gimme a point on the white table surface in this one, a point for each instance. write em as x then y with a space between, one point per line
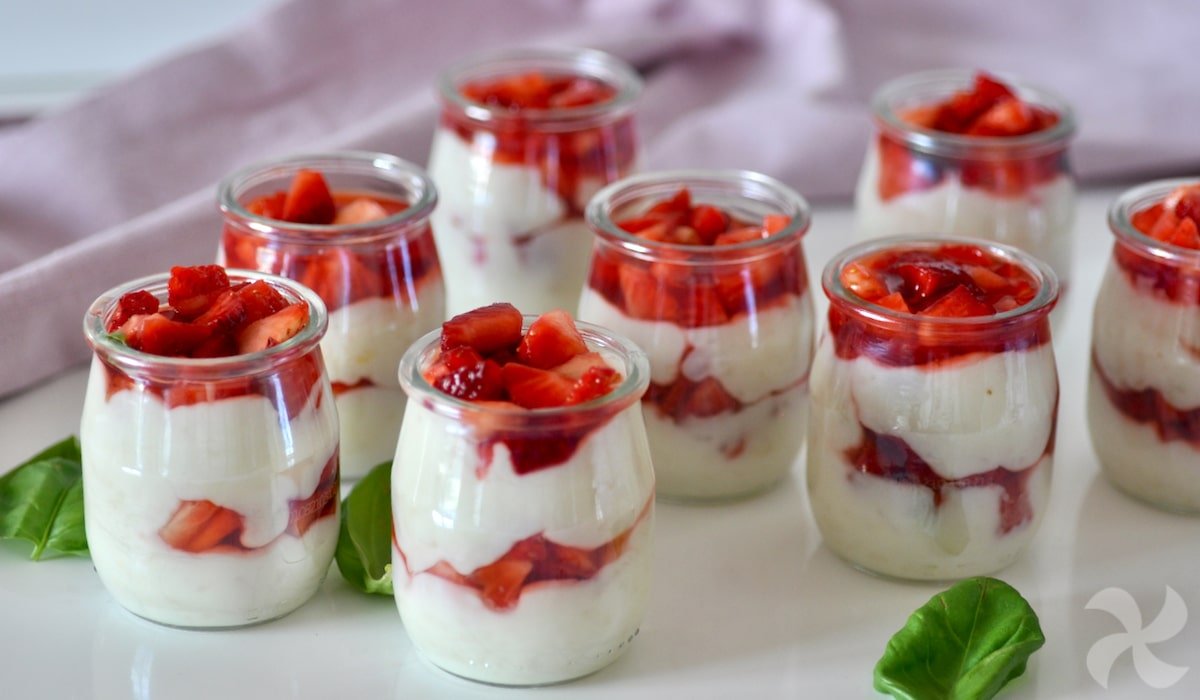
746 601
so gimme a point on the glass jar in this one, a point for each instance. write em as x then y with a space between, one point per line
728 328
522 538
514 183
1144 383
210 485
381 280
1017 190
931 439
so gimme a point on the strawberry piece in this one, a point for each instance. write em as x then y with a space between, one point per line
774 223
200 526
741 235
708 222
595 382
309 200
894 301
1185 235
360 210
191 290
268 206
162 336
340 277
130 305
501 582
321 503
274 329
260 300
926 281
538 91
709 398
581 93
1007 117
220 345
965 107
226 314
958 303
571 563
529 387
468 376
902 171
487 330
551 340
679 205
1185 202
574 368
131 330
862 281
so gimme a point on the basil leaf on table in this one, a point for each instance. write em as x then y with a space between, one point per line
364 548
42 501
966 642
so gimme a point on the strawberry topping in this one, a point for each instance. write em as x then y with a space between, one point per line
538 91
1174 220
130 305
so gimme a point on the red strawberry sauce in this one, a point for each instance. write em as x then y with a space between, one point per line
1173 222
531 561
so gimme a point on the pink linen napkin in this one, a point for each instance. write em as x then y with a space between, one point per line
122 184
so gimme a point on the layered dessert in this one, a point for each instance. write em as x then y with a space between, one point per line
522 497
524 141
934 401
210 448
368 251
713 285
971 156
1144 384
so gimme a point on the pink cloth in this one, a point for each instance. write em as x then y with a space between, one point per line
123 184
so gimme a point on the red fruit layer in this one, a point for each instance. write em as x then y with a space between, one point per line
200 527
1174 281
989 110
1149 407
290 384
340 388
950 281
1173 221
339 275
565 159
890 457
531 561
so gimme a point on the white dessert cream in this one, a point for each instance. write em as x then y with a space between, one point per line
143 459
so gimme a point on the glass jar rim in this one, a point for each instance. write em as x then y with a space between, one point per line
386 167
945 82
590 63
1135 199
516 419
598 214
1041 304
203 368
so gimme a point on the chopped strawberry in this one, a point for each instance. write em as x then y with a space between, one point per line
961 111
191 290
709 222
574 368
538 91
487 330
309 200
709 398
894 301
1007 117
200 526
595 382
959 303
774 223
274 329
129 305
361 210
529 387
679 205
862 281
501 582
744 234
1174 220
268 206
1185 202
219 345
340 277
260 300
227 313
551 340
162 336
470 377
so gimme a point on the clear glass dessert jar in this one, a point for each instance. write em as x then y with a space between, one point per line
1014 189
210 485
522 538
524 140
728 325
931 437
1144 384
380 279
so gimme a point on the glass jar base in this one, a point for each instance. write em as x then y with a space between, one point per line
685 499
1145 500
932 579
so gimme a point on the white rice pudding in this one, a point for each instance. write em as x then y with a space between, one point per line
502 235
762 360
449 507
365 341
1140 341
965 417
1039 221
141 459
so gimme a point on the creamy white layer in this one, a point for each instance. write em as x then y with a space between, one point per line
366 340
968 417
730 454
1142 341
447 506
141 459
557 630
501 234
1039 222
752 356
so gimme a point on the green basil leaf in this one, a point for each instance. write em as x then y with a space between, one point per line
42 501
966 642
119 338
364 548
